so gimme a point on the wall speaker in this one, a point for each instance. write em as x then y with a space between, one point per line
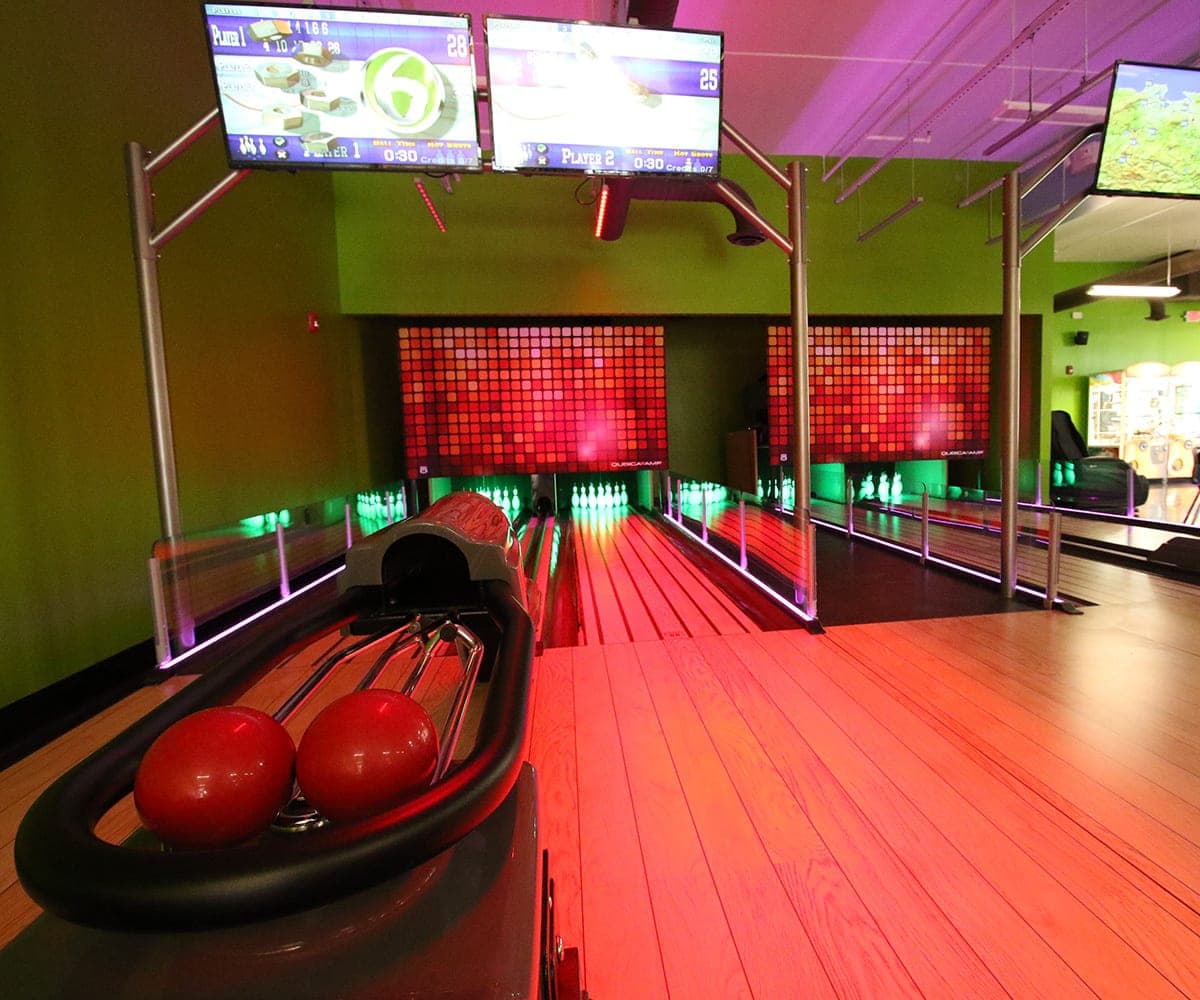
1081 337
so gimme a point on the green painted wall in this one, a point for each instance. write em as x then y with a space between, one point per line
266 414
524 245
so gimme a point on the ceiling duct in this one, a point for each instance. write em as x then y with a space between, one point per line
622 190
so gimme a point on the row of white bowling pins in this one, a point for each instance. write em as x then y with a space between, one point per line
785 494
381 506
883 491
599 498
507 499
696 493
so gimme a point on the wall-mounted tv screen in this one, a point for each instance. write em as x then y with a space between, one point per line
343 88
1152 133
604 99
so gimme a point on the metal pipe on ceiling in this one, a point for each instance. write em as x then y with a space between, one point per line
1062 102
1019 39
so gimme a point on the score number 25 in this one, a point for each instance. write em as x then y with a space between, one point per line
710 79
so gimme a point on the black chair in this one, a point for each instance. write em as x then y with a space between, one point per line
1099 482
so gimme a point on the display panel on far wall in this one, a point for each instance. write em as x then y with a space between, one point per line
485 400
885 390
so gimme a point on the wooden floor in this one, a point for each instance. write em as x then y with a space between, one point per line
1004 805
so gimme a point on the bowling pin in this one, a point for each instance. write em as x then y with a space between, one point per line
884 491
897 489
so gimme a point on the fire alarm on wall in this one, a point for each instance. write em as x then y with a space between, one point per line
314 323
1070 369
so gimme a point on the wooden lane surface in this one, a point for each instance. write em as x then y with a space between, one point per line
635 586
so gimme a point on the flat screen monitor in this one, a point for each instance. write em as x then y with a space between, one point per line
343 88
1152 132
604 99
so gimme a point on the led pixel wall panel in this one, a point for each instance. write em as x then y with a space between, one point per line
885 392
488 400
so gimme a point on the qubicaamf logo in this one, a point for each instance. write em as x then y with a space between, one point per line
404 89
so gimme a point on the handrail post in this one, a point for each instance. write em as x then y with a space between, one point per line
704 516
1037 499
667 495
810 586
849 507
349 530
742 530
158 604
1053 554
924 523
1130 492
285 586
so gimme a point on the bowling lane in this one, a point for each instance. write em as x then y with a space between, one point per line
635 586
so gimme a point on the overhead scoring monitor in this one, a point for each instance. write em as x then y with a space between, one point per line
604 99
1151 143
343 88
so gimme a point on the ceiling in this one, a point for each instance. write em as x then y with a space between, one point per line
945 79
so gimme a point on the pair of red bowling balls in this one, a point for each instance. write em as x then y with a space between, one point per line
220 776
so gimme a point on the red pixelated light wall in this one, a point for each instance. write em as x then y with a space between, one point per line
903 390
487 400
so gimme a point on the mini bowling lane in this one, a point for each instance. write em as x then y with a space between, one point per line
442 893
635 585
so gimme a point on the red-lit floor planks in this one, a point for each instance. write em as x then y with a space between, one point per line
881 811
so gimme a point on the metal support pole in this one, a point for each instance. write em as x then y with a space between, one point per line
349 530
285 586
742 531
1053 553
704 516
849 507
1037 499
798 232
667 495
801 435
1130 492
158 604
810 581
146 260
924 524
1010 385
679 501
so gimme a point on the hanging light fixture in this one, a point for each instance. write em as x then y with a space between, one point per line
1132 291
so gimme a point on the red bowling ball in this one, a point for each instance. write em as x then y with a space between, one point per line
215 778
365 753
